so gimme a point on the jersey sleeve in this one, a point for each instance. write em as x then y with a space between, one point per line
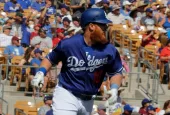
115 65
56 55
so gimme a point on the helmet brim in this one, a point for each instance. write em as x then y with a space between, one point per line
104 21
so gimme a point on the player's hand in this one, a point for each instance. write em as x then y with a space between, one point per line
113 96
38 79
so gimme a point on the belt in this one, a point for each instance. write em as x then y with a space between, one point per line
79 95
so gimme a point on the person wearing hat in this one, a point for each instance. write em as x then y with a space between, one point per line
46 42
127 110
151 110
76 24
160 15
134 20
126 8
47 105
106 6
115 15
35 32
38 5
70 32
145 103
64 12
66 23
98 4
149 19
15 49
59 37
5 36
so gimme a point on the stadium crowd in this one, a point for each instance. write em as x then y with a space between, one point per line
31 28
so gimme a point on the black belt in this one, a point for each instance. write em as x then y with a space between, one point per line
79 95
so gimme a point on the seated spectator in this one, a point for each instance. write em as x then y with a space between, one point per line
151 110
59 37
161 14
101 109
134 20
149 20
38 5
76 24
166 105
127 110
77 5
106 6
50 9
5 38
64 12
165 57
66 23
126 9
35 32
47 105
145 104
70 32
15 49
46 42
47 27
11 6
165 23
115 16
149 38
25 4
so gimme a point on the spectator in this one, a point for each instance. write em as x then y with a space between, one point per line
166 105
38 5
145 104
5 38
77 5
50 9
127 110
161 14
25 4
106 7
47 27
115 16
98 4
134 20
149 20
101 109
126 9
151 110
60 36
35 32
165 23
66 23
11 6
168 6
15 49
47 105
76 24
165 57
64 12
70 32
46 42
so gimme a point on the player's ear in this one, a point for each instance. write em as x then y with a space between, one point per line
92 27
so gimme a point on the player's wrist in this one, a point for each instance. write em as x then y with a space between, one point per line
43 70
114 86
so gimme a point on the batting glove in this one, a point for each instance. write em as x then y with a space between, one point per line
38 79
113 96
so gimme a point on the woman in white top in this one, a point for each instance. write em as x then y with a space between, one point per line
134 21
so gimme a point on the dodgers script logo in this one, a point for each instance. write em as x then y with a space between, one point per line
93 63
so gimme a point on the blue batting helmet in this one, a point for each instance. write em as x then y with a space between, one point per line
94 15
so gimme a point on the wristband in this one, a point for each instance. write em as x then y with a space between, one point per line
42 69
114 86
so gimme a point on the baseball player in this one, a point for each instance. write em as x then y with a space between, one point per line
86 60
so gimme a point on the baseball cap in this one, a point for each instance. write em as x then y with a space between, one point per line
126 3
149 10
60 30
66 19
7 27
115 7
47 97
144 101
42 30
150 108
15 38
64 6
40 51
38 25
105 1
127 107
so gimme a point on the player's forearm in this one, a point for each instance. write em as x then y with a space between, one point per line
116 79
46 64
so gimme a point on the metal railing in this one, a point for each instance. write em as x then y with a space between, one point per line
4 101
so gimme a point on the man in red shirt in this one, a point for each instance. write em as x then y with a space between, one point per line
35 32
60 36
165 57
